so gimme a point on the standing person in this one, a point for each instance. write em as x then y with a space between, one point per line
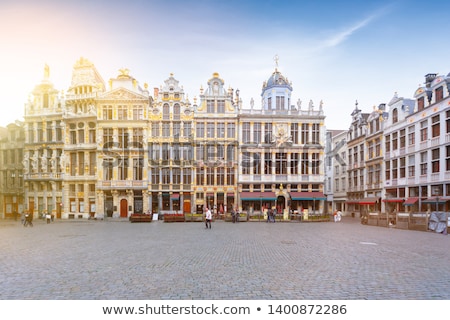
208 218
335 215
29 220
233 215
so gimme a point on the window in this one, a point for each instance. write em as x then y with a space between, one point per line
73 134
210 132
176 128
231 131
402 167
108 165
257 132
166 112
423 131
200 176
435 126
165 176
138 113
246 162
305 163
411 136
280 103
387 143
420 104
220 130
267 163
267 133
220 176
187 129
220 106
411 166
304 134
187 176
122 113
138 167
388 170
210 176
315 133
256 163
294 163
394 116
200 130
123 138
402 138
394 141
210 106
230 176
281 163
49 131
246 132
423 163
155 129
435 160
447 158
155 176
395 169
123 168
176 176
92 133
439 93
294 132
176 111
447 121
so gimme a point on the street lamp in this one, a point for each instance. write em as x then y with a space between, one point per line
314 205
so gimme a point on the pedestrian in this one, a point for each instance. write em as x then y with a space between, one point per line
208 218
48 218
335 215
233 215
29 220
274 215
339 216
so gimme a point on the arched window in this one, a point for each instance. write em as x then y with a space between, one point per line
394 116
166 111
176 112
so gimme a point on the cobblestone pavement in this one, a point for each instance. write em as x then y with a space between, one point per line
112 260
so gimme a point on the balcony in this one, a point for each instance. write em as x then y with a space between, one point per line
123 184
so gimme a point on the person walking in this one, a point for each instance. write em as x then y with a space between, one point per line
233 215
208 218
29 219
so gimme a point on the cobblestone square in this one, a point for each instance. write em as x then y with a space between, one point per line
119 260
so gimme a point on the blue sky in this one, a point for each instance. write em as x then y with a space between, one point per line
335 51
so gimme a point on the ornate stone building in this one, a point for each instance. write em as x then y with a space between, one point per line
12 140
215 142
281 152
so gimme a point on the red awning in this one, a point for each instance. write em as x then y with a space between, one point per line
369 200
398 200
410 201
230 195
175 196
307 196
258 196
352 202
436 200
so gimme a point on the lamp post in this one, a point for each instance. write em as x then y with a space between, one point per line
260 207
314 205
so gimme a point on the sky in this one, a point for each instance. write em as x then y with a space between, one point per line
338 52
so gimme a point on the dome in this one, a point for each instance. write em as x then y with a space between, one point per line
277 80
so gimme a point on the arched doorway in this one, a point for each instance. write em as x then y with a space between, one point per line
281 204
123 208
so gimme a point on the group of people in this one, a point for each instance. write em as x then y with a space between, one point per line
337 215
271 215
27 220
